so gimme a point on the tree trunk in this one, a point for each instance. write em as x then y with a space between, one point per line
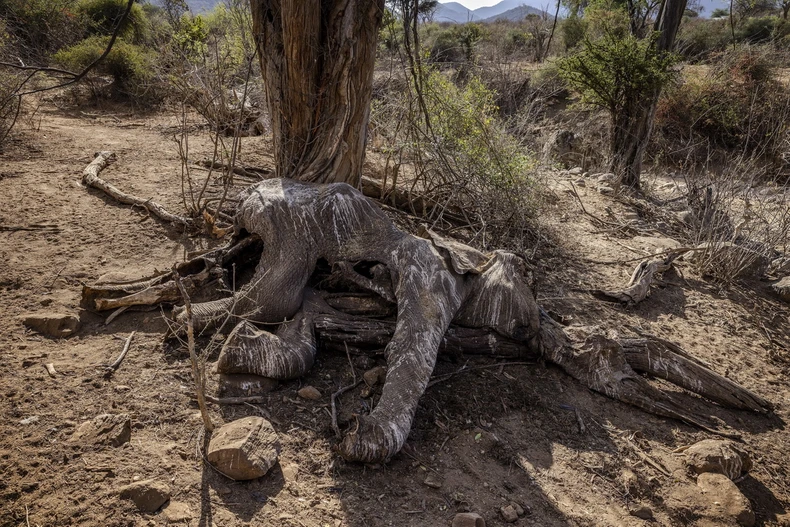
317 59
631 131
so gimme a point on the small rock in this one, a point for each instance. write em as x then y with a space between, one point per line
375 376
725 498
606 190
631 216
309 392
684 216
631 483
509 514
29 420
244 385
45 302
177 511
290 473
108 429
644 512
608 177
782 288
719 456
433 481
364 362
576 171
55 325
580 183
468 519
148 495
518 508
244 449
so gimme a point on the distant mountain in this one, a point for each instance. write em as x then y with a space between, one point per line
505 10
516 14
498 9
454 12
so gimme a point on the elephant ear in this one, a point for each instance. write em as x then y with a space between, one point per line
463 258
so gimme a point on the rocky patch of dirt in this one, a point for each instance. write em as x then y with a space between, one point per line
490 441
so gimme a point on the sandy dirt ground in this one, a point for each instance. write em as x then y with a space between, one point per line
527 434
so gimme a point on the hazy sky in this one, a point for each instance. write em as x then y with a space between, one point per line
474 4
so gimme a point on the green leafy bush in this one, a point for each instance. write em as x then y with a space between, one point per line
129 65
457 43
38 28
573 29
615 71
101 17
699 38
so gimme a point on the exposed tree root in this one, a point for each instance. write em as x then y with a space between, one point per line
447 296
90 178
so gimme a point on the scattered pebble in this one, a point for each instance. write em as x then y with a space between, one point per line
148 495
433 481
375 376
644 512
468 519
310 393
509 514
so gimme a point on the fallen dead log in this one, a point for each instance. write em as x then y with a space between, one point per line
90 178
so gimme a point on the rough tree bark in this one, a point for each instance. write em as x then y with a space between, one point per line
433 283
631 128
317 59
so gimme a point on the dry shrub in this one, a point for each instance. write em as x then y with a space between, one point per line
462 170
742 222
736 107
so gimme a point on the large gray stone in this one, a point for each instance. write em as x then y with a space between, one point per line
719 456
715 500
244 449
55 325
724 498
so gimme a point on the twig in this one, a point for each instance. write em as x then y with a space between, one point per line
650 461
579 420
115 365
464 369
115 314
351 364
252 399
33 227
333 400
197 372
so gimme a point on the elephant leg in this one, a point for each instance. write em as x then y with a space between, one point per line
274 294
427 301
287 354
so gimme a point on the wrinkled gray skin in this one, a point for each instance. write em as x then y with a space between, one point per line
435 282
